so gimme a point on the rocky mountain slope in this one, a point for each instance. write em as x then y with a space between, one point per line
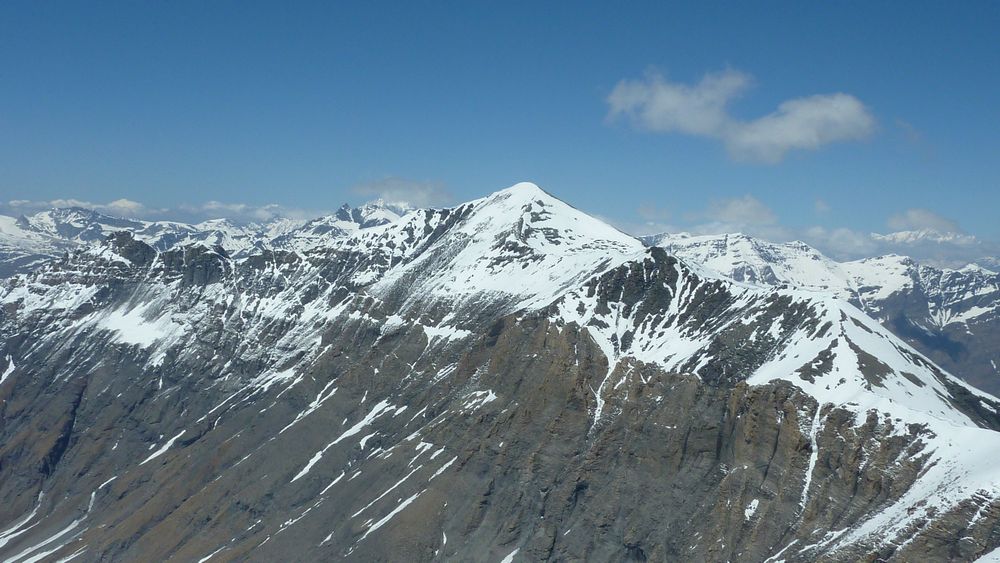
950 315
509 379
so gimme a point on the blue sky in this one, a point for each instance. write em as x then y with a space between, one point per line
308 105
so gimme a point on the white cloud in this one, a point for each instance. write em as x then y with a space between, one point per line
746 214
126 207
406 193
652 212
804 123
237 212
746 210
64 203
656 104
821 206
840 243
659 105
909 131
922 219
244 212
120 207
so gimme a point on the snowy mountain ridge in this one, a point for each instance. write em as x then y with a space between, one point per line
953 315
745 258
27 240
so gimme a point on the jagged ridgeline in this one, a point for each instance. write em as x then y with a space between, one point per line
509 379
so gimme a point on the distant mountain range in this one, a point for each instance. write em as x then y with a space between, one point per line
506 379
28 240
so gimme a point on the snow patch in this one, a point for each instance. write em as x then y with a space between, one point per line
162 449
9 370
135 327
751 509
510 556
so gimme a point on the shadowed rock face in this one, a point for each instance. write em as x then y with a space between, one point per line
178 405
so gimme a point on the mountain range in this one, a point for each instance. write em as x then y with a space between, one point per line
951 315
506 379
28 240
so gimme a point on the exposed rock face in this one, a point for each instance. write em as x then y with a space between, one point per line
184 404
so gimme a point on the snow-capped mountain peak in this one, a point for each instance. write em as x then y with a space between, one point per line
515 248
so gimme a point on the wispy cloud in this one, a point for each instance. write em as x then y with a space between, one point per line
909 131
120 207
406 193
245 213
917 219
653 219
654 103
236 212
396 191
652 212
841 243
746 210
745 214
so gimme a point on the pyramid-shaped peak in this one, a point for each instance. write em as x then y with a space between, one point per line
522 186
525 190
